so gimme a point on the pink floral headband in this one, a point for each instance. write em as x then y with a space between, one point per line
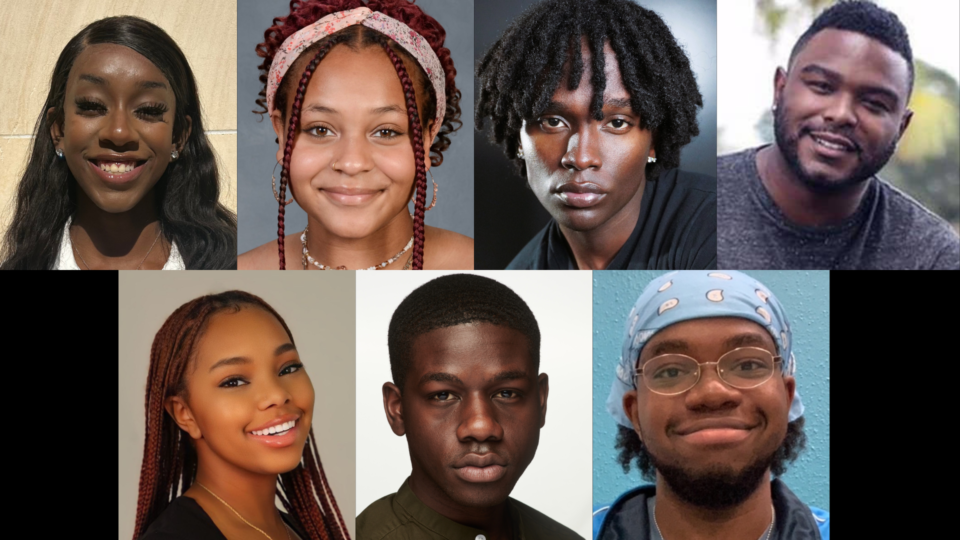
406 37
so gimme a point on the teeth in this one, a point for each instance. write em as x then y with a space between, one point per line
116 168
276 429
822 142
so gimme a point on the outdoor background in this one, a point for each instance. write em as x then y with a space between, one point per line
258 151
509 213
927 165
805 297
34 33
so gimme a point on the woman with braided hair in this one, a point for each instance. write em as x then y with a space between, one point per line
362 98
229 414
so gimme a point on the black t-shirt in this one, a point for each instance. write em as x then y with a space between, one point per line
676 230
184 519
889 231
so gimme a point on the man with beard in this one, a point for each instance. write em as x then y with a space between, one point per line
707 405
812 200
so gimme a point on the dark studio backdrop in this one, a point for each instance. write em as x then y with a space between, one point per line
256 149
508 214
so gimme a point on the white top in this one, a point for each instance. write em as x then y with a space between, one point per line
66 261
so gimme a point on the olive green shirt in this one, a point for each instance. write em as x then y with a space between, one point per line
403 516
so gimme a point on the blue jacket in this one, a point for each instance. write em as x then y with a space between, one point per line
626 518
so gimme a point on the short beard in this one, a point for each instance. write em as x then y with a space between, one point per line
787 144
719 487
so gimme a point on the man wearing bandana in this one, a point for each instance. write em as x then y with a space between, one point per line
707 405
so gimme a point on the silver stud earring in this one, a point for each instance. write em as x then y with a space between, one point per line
651 159
60 153
520 152
774 108
174 155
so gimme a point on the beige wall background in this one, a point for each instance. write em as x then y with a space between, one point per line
320 310
33 32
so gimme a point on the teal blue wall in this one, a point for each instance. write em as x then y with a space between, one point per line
806 300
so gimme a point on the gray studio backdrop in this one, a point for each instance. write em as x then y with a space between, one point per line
256 149
501 233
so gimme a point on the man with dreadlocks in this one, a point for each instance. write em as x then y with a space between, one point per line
707 406
465 356
812 199
593 101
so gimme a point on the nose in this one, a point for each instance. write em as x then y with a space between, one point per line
478 421
711 393
118 134
841 111
272 393
353 157
583 151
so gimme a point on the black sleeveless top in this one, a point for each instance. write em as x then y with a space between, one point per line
184 519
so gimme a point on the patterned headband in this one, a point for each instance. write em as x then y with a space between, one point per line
406 37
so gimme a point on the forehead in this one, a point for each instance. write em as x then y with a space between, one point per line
473 348
117 64
250 332
710 335
857 58
348 79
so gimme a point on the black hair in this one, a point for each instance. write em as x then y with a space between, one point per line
632 450
520 73
864 18
187 195
453 300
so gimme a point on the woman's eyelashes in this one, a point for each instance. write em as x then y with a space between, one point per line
151 112
321 132
229 382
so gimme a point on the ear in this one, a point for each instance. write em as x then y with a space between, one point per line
779 81
543 388
186 134
278 126
393 406
56 130
904 122
632 411
181 414
426 144
790 384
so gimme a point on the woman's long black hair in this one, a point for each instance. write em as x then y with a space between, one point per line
187 195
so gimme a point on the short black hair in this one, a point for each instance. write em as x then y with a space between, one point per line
864 18
632 450
450 301
522 70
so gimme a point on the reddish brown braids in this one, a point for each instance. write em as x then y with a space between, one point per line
169 459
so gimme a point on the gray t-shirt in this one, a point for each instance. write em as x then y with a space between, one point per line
889 231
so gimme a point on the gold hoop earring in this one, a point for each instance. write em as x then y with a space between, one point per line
434 201
273 182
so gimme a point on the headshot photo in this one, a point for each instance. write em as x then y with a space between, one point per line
473 405
248 384
118 145
839 141
597 126
699 427
355 111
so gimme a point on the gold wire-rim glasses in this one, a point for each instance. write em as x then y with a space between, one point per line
763 352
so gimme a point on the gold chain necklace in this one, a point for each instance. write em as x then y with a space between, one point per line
141 260
241 517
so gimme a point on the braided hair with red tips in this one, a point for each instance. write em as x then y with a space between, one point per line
169 458
304 13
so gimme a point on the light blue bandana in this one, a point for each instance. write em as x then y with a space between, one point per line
698 294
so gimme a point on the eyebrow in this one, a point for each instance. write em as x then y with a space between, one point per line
240 360
440 377
146 85
680 346
100 81
836 78
317 108
509 375
93 79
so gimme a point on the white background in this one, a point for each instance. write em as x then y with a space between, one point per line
558 481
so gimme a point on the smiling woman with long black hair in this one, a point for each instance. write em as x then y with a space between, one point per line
120 174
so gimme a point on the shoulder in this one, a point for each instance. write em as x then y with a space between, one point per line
183 518
633 502
691 181
379 521
266 257
545 527
918 227
447 250
529 256
736 160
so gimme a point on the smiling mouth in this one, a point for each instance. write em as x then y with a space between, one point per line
350 196
117 167
117 172
832 144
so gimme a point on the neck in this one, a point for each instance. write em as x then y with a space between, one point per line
116 240
330 249
596 248
680 519
494 521
797 202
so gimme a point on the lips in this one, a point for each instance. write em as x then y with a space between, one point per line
580 194
715 431
350 196
117 170
481 468
832 145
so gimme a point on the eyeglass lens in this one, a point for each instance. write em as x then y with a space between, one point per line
743 368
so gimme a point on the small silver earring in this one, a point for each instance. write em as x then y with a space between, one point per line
651 159
773 108
174 155
520 152
60 153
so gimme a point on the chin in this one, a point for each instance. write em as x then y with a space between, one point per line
479 497
576 220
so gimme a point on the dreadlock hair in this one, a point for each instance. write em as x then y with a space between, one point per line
864 18
450 301
169 457
187 195
304 13
632 450
520 73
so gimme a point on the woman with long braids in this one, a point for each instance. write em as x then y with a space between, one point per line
361 95
120 173
229 408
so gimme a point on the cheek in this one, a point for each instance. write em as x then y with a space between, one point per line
396 163
306 162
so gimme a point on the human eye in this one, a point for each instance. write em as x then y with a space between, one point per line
670 372
90 107
443 396
387 133
876 106
152 111
295 367
819 87
507 394
229 383
551 123
318 131
619 125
